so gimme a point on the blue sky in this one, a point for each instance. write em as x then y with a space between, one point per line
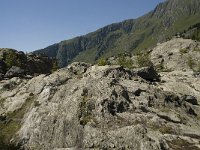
29 25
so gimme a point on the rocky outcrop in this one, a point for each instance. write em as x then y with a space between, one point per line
15 72
16 64
177 54
190 99
87 106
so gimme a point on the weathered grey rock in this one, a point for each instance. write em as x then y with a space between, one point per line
176 54
15 72
79 67
172 117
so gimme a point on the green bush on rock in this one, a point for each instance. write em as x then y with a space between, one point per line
125 62
143 60
102 62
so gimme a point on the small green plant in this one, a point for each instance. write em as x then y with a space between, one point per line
198 67
102 62
85 119
166 130
84 115
160 67
13 59
10 59
183 51
143 59
54 66
125 62
190 62
2 100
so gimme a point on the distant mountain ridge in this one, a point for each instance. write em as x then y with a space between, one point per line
161 24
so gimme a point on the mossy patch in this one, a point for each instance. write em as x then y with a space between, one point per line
164 129
12 123
192 64
2 100
85 113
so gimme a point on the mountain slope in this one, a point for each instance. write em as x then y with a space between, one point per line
162 23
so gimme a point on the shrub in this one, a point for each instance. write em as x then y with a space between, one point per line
54 66
166 129
160 67
11 59
125 62
198 67
102 62
143 60
190 62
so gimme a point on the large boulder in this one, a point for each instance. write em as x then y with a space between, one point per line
79 67
15 72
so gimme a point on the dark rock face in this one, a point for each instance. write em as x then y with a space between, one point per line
148 73
2 67
39 64
15 72
190 99
1 76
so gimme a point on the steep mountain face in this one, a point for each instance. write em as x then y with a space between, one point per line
86 106
162 23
